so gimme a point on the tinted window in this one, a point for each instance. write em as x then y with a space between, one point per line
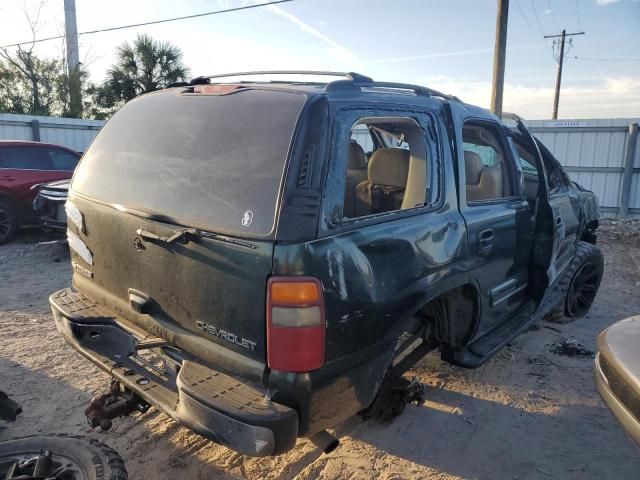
214 161
32 158
63 160
37 158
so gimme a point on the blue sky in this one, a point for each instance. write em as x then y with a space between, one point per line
443 44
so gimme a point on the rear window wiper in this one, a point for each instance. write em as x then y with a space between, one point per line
184 235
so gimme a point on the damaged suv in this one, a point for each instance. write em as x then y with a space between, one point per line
258 259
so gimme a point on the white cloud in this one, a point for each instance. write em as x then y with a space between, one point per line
613 97
604 3
548 11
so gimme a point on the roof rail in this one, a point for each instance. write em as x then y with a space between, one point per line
177 84
354 77
417 89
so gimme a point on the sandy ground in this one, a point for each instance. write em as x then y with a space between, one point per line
526 414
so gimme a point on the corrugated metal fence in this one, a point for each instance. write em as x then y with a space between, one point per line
595 152
73 133
600 154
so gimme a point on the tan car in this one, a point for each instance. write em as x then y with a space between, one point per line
617 373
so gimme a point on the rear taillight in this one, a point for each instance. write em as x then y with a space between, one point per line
295 324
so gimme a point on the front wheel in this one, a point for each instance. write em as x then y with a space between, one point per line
580 284
63 457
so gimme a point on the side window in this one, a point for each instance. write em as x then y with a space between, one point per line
487 174
63 160
29 158
388 174
557 182
10 158
526 161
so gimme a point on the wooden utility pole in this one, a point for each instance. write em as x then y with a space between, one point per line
73 59
556 97
499 56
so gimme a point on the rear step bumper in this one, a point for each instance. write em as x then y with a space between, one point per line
219 407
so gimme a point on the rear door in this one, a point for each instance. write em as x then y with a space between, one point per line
174 160
498 219
564 202
556 218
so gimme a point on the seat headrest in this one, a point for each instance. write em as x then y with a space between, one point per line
357 158
473 167
389 167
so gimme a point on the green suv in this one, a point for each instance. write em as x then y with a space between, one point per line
254 257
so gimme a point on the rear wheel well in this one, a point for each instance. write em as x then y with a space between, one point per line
9 200
452 316
589 233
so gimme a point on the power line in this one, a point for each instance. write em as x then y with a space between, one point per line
540 29
535 12
153 22
578 14
553 15
524 17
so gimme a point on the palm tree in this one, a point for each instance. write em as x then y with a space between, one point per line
141 67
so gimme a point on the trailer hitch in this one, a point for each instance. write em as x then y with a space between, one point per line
117 402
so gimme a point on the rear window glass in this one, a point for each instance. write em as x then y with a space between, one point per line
210 161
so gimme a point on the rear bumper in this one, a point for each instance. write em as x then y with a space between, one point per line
626 418
222 408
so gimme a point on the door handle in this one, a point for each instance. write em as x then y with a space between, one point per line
485 240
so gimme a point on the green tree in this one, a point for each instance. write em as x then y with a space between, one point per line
33 85
143 66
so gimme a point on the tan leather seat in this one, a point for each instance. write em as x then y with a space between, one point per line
483 183
383 191
356 174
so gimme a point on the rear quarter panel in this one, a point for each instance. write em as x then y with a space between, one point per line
375 276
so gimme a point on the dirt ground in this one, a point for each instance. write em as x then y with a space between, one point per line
526 414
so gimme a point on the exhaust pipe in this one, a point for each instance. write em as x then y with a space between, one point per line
325 441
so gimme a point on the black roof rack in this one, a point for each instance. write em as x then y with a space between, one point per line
352 81
177 84
354 77
416 89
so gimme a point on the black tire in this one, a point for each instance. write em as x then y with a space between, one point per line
579 285
89 458
8 221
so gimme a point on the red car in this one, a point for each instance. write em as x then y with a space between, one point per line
24 164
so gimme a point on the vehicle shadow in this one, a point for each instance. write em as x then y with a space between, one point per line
49 405
510 442
53 406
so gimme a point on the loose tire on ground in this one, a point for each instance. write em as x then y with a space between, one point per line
88 459
8 221
579 284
